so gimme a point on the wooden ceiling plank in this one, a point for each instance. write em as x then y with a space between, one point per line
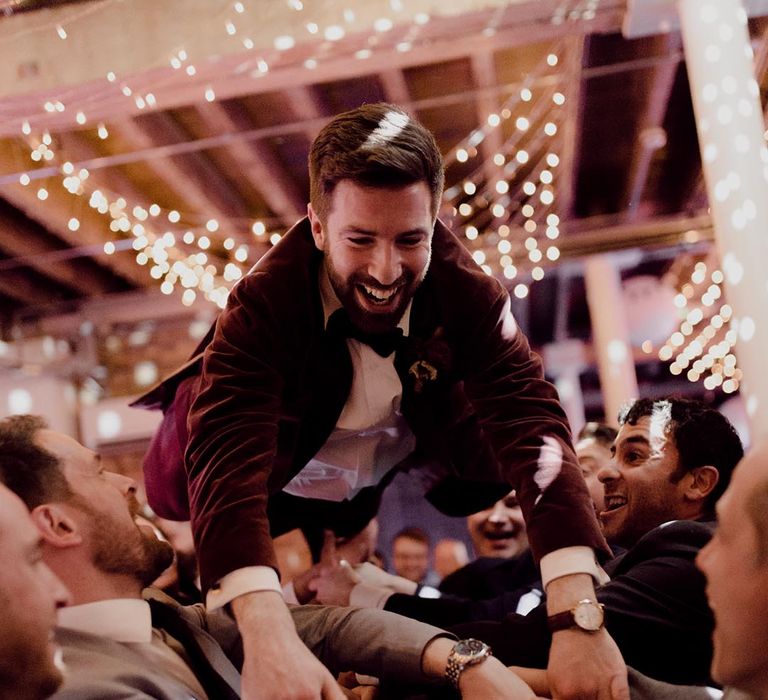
573 90
174 176
18 286
54 214
22 241
257 161
484 76
647 141
396 87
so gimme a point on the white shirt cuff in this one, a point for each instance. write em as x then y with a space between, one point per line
363 595
289 594
241 581
571 560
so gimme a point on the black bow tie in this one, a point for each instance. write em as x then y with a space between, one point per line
383 344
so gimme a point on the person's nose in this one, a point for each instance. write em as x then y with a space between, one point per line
122 483
386 264
702 557
61 595
608 472
498 514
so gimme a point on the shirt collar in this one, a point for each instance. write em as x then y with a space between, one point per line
331 302
121 620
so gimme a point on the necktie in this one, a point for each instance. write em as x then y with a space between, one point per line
211 666
383 344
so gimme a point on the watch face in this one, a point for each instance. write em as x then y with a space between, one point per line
588 616
469 647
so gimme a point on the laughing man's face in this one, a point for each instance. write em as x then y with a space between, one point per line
640 493
377 244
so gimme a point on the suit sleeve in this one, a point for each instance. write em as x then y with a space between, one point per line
233 425
372 642
451 610
105 690
656 608
522 417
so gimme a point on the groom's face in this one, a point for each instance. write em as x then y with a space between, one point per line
377 245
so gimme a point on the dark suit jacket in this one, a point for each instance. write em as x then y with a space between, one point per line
273 384
655 609
485 589
487 577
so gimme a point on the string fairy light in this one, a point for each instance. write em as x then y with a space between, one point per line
703 342
519 204
520 201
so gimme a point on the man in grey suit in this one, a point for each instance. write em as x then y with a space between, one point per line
118 644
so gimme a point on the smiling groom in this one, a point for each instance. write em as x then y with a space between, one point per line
367 341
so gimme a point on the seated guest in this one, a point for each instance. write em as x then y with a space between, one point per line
410 555
593 450
735 565
29 596
117 644
504 561
673 459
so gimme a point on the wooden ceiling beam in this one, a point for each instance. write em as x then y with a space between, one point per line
225 199
186 185
54 214
396 87
256 160
574 108
307 105
650 135
17 285
233 72
77 147
24 242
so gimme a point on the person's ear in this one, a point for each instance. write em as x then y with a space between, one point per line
56 525
318 232
701 481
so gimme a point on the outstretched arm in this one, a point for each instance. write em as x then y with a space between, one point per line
278 666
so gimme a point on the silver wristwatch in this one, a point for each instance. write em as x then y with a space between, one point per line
466 652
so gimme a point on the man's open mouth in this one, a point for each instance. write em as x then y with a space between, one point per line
378 296
614 503
500 535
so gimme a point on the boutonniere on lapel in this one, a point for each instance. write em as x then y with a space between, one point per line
432 360
422 372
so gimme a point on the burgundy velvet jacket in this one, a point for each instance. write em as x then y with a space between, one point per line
273 383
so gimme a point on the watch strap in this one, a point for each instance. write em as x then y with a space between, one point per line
567 619
561 621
